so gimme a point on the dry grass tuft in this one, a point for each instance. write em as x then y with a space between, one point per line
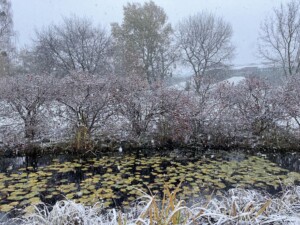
238 206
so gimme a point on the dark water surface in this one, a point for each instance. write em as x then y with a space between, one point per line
120 179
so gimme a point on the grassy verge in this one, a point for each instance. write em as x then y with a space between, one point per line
237 206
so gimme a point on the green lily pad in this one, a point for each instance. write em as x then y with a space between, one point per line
6 208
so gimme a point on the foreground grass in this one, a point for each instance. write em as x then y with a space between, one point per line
238 206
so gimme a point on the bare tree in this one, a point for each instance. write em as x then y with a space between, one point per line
26 97
137 105
289 97
75 45
148 114
85 99
6 34
207 109
143 42
256 106
205 41
279 41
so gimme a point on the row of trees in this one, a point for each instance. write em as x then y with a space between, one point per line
146 44
85 80
35 107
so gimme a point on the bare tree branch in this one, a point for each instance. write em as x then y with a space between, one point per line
279 41
205 43
76 45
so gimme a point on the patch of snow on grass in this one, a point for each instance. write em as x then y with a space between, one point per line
234 80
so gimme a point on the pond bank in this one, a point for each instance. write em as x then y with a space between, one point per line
107 146
237 206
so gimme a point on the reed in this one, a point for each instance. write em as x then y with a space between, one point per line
237 206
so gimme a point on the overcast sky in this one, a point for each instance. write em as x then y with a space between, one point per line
245 17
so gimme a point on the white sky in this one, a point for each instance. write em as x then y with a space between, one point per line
245 17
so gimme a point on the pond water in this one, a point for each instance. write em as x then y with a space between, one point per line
120 179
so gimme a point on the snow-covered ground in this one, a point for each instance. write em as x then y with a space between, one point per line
232 80
180 86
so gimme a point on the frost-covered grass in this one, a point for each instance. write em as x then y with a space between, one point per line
238 206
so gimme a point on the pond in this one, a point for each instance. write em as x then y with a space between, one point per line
119 180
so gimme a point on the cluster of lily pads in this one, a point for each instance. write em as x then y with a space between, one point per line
118 181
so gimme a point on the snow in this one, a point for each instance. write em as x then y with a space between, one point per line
181 86
234 80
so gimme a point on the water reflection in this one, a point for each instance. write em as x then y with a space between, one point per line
9 164
288 160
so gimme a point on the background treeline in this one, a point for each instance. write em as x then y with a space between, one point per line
78 81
